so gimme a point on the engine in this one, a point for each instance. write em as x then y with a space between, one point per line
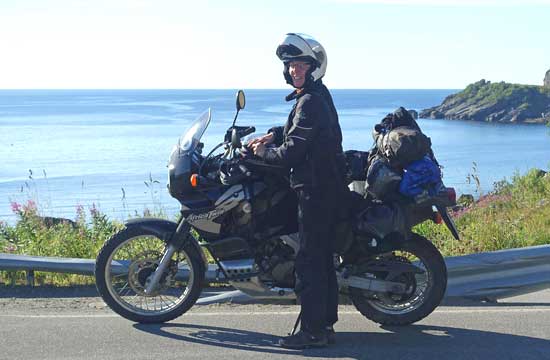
238 221
276 261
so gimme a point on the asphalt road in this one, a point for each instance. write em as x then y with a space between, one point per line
82 328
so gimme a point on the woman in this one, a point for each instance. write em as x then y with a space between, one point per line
310 145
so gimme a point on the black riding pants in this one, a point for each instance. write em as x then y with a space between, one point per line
316 283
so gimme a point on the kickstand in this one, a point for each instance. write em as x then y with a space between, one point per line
298 319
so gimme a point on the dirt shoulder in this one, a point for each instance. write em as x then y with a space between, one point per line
45 300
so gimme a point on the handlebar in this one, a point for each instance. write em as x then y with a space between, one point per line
242 131
249 130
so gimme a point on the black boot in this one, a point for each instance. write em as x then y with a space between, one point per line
304 340
331 335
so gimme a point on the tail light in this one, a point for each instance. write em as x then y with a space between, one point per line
451 194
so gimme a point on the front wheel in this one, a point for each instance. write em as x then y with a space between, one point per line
423 292
125 263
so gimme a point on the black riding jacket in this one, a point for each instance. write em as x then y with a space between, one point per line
310 143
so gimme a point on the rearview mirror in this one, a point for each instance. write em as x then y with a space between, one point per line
241 101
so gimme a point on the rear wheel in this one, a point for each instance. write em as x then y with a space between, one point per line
125 263
423 293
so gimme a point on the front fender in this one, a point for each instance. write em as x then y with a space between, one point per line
164 230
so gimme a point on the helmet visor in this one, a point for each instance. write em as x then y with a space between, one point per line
289 50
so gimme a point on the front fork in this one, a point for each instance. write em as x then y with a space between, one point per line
176 242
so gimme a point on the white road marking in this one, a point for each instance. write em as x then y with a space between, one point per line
264 313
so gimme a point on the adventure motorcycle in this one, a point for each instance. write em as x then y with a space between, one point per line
243 212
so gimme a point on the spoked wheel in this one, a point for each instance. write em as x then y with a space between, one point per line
123 269
423 291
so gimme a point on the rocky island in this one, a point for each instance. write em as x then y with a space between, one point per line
496 102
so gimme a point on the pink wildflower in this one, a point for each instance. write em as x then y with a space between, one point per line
30 207
10 248
80 211
15 207
93 211
457 213
490 199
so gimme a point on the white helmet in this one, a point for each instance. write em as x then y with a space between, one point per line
302 47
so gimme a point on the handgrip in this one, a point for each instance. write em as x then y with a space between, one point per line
245 170
249 130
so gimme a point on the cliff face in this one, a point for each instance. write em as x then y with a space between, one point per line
547 79
495 102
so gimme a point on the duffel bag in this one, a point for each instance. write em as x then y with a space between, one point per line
382 179
403 145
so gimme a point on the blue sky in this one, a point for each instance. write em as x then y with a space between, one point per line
231 44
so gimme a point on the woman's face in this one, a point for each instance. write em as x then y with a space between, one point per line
297 71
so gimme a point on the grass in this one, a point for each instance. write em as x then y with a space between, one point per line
514 214
35 235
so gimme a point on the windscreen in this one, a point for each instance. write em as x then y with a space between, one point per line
189 140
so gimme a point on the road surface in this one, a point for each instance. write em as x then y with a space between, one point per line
81 327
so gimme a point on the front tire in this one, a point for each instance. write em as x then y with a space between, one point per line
126 261
388 309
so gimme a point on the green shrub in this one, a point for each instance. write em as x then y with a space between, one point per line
34 235
513 215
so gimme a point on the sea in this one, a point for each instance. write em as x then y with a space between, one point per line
73 150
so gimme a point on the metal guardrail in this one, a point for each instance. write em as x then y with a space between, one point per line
30 264
483 276
499 274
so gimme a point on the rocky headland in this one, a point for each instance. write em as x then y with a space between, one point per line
496 102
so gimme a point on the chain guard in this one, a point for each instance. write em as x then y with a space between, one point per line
406 278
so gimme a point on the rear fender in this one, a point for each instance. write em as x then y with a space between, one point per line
164 230
448 221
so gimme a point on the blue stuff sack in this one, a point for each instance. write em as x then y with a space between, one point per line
421 177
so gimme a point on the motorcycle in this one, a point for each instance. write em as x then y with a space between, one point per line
242 212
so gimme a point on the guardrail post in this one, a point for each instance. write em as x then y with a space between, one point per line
30 278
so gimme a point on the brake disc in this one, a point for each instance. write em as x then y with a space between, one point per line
140 271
